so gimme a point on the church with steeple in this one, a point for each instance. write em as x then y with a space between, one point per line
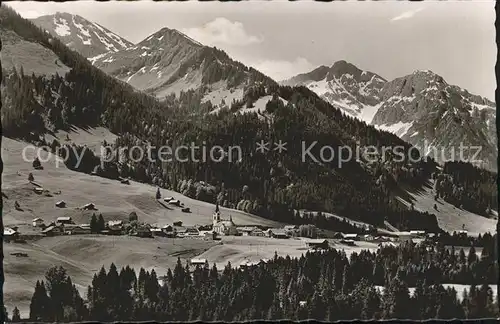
223 226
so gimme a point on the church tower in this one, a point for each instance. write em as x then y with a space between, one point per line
216 215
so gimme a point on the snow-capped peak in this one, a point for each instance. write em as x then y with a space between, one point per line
88 38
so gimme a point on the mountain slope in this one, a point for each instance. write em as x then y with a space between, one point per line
86 37
345 87
31 56
421 108
168 62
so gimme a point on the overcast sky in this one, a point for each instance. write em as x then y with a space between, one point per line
282 39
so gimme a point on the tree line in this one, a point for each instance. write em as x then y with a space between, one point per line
325 286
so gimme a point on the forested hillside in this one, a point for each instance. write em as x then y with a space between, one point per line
468 187
270 185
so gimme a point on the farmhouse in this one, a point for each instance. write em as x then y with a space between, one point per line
277 233
52 230
198 262
175 202
10 234
37 222
64 220
89 206
223 227
158 232
192 231
38 190
257 232
115 224
291 229
61 204
347 242
246 231
143 232
168 230
179 231
72 229
317 244
350 236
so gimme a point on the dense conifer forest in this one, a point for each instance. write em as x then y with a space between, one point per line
325 286
469 187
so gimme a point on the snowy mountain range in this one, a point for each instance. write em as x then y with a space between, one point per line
164 63
421 108
87 38
344 86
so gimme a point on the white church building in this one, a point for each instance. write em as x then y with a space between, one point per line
221 226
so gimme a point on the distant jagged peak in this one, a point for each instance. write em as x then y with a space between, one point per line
343 67
165 35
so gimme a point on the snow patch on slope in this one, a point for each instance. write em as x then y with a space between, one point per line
62 28
400 129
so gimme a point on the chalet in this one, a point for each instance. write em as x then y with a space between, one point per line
348 242
89 206
168 199
37 222
302 303
178 223
19 254
277 233
175 202
38 190
350 236
72 229
64 220
10 234
52 230
192 231
143 232
168 230
291 228
180 230
198 262
158 232
61 204
317 244
246 231
115 224
257 232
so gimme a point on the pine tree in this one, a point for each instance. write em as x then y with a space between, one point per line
16 315
94 228
101 225
40 304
